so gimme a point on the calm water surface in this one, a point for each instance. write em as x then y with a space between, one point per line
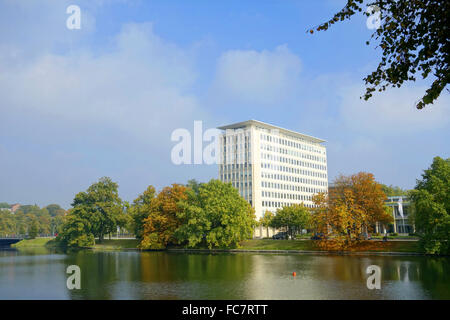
41 274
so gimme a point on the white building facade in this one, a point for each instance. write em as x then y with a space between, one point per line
272 167
401 208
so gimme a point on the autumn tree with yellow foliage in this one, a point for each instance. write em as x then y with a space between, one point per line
352 207
162 221
209 215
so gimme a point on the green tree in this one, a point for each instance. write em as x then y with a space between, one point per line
413 37
392 191
7 223
20 223
26 214
216 216
431 201
140 210
45 221
4 205
266 220
101 206
294 218
76 231
34 229
56 224
55 210
29 208
195 224
194 185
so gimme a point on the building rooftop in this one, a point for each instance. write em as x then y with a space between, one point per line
397 198
271 127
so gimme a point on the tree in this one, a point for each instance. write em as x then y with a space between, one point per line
266 220
216 217
45 221
20 222
338 217
392 191
29 208
56 224
76 230
369 197
4 205
55 210
195 224
352 207
101 206
294 218
194 185
34 229
140 210
162 220
431 202
322 217
7 223
413 36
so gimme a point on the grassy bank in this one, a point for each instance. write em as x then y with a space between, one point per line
310 245
397 237
117 244
38 242
256 244
269 244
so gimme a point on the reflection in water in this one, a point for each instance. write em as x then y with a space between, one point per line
41 274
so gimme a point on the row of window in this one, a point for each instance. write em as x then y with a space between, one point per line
294 153
283 186
282 177
287 196
405 211
236 176
238 148
235 166
241 185
245 190
236 158
294 162
289 143
276 167
236 137
276 204
241 147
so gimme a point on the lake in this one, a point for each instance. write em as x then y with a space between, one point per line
40 273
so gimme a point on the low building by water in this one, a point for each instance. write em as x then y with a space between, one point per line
401 210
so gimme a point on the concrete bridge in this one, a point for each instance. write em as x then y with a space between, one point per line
6 242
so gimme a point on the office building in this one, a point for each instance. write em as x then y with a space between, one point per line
272 167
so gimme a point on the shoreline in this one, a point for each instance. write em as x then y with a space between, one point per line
248 246
306 252
264 251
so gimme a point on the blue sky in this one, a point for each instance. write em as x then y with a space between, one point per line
77 105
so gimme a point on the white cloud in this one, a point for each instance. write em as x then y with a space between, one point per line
36 27
257 77
392 112
385 135
111 111
142 86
